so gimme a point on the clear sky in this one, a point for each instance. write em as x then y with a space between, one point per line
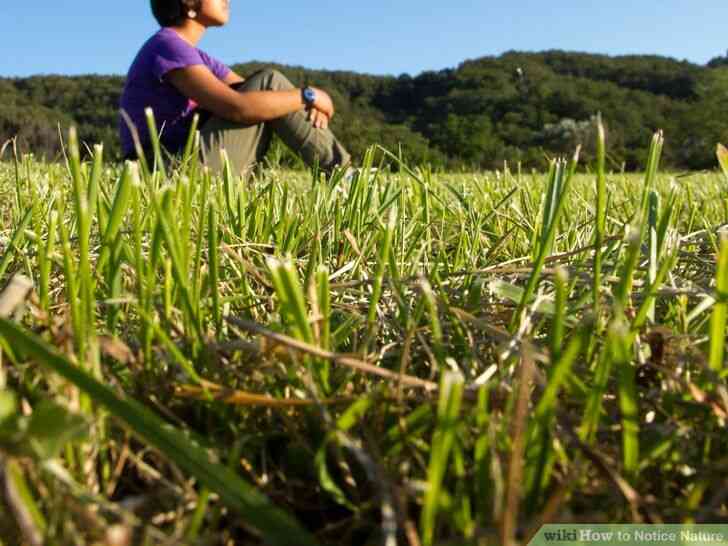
378 36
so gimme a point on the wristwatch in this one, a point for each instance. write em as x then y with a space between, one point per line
308 96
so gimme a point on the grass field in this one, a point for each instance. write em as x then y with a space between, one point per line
407 358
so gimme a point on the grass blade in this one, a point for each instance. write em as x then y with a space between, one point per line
720 309
15 239
620 348
448 410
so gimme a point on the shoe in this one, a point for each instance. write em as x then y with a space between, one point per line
356 172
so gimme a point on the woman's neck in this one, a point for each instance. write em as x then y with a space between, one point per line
191 31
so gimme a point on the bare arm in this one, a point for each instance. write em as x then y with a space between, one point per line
201 85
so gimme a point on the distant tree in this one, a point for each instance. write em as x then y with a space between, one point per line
720 60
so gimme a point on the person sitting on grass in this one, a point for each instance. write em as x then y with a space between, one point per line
175 79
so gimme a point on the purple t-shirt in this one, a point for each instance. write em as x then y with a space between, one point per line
146 87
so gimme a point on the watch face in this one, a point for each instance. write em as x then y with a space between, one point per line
309 95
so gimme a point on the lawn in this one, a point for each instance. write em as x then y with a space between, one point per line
406 357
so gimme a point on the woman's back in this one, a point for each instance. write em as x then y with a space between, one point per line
146 87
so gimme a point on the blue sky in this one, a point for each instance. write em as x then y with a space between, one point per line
378 36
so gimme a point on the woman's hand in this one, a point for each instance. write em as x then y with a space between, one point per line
317 118
323 103
322 110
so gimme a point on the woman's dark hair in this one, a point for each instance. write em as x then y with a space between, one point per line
170 13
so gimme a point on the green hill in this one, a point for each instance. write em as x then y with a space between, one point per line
515 107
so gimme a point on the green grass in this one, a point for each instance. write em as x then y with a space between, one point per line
407 358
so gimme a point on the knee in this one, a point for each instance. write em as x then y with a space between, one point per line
274 79
269 72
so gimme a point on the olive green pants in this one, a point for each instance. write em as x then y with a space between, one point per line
246 145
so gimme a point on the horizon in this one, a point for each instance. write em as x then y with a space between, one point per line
377 38
413 75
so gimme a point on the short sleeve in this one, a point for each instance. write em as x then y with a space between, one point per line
173 54
218 68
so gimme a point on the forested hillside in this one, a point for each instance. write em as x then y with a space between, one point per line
515 107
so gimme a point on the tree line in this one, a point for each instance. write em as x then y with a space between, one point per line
516 107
